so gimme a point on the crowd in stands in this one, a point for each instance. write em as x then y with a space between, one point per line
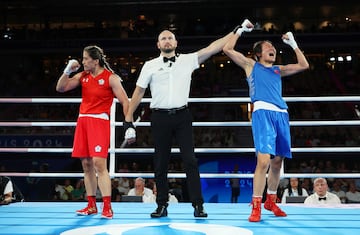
147 27
347 189
320 81
72 189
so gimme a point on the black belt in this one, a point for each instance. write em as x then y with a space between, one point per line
171 111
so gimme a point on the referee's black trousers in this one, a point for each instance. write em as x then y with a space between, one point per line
164 127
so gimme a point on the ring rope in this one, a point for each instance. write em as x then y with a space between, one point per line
114 150
191 100
176 150
183 175
195 124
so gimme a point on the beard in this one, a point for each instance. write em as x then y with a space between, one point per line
167 50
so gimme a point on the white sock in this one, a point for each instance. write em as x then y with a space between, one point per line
271 192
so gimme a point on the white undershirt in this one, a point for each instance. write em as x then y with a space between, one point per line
101 116
268 106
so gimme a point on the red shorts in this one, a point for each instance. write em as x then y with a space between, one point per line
92 137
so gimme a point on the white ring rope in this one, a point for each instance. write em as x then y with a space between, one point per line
195 124
29 124
197 150
191 100
113 150
182 175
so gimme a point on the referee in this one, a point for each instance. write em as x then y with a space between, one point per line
169 78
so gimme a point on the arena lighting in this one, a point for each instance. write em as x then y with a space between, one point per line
7 34
347 58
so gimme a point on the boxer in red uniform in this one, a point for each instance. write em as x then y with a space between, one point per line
92 134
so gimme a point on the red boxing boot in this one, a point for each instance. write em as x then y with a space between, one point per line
256 209
270 204
91 207
107 212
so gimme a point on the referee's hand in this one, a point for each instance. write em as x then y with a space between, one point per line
130 133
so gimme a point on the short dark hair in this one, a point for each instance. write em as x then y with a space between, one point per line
257 48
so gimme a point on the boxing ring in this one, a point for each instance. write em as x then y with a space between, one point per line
133 218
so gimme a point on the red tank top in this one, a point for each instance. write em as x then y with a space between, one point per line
97 95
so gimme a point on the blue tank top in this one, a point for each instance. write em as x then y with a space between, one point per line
265 85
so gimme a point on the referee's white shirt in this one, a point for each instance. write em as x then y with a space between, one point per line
331 198
169 82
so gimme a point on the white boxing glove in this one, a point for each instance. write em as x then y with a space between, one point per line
72 66
246 26
289 39
130 133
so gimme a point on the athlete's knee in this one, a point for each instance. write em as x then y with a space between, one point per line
100 165
263 160
276 163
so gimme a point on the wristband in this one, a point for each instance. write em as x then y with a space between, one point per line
128 125
67 71
240 30
236 28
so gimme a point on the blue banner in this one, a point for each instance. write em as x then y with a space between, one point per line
219 190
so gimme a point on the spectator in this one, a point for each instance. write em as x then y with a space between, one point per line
353 196
235 185
59 191
40 188
339 192
9 192
115 194
124 185
294 189
321 194
172 198
68 188
308 185
141 190
6 190
79 191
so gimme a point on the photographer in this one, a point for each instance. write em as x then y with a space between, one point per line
6 190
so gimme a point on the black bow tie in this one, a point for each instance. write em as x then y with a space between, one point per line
172 59
322 198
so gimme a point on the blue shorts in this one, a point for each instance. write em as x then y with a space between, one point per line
271 132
